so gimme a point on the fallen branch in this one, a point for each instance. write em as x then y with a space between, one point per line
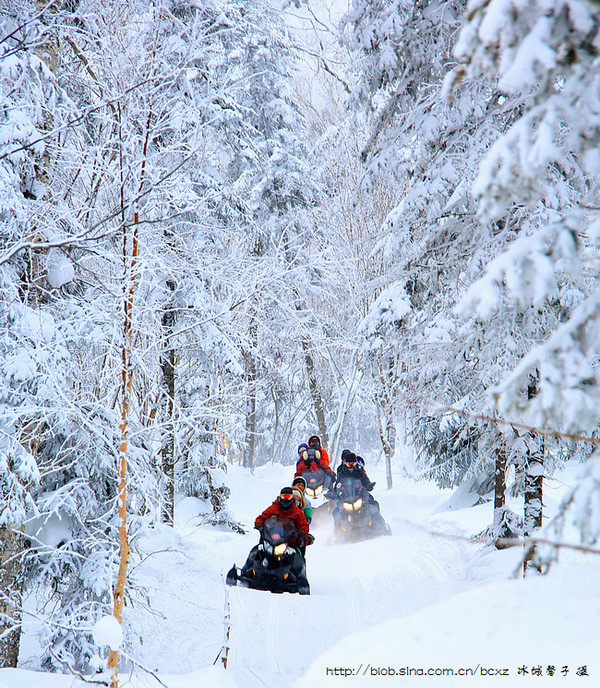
507 542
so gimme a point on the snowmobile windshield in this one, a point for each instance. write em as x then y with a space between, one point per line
277 531
350 489
315 481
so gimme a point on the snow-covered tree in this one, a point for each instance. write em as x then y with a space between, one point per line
435 245
545 167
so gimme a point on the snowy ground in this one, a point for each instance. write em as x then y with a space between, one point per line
413 602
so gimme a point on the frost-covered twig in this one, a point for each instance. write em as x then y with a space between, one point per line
76 673
224 651
143 668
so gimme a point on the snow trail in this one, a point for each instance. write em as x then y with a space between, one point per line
353 586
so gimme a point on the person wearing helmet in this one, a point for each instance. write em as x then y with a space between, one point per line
351 467
314 442
284 507
299 485
302 463
301 500
311 457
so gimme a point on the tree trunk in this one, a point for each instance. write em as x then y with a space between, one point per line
499 496
533 504
313 386
386 434
385 410
11 592
167 365
251 375
344 402
534 482
315 393
130 259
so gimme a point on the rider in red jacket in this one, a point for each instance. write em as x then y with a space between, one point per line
285 507
311 456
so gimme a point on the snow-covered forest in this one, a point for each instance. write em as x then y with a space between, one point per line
228 225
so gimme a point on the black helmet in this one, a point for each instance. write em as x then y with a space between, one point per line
347 454
286 497
314 442
298 479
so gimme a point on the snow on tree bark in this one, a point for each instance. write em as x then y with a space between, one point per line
167 364
534 483
11 593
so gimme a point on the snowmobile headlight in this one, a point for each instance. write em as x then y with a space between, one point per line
348 506
357 504
318 491
309 492
279 550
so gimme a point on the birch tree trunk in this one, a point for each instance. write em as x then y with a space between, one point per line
130 257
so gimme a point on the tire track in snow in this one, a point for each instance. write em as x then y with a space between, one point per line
272 625
274 638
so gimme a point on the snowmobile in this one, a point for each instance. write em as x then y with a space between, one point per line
317 481
274 564
318 484
356 515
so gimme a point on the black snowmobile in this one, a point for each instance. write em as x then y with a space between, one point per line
317 481
356 515
318 484
274 564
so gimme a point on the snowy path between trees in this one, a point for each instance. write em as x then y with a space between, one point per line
353 587
410 601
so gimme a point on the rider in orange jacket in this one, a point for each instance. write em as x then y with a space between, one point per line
314 442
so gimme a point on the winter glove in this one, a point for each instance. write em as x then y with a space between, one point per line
310 538
370 486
